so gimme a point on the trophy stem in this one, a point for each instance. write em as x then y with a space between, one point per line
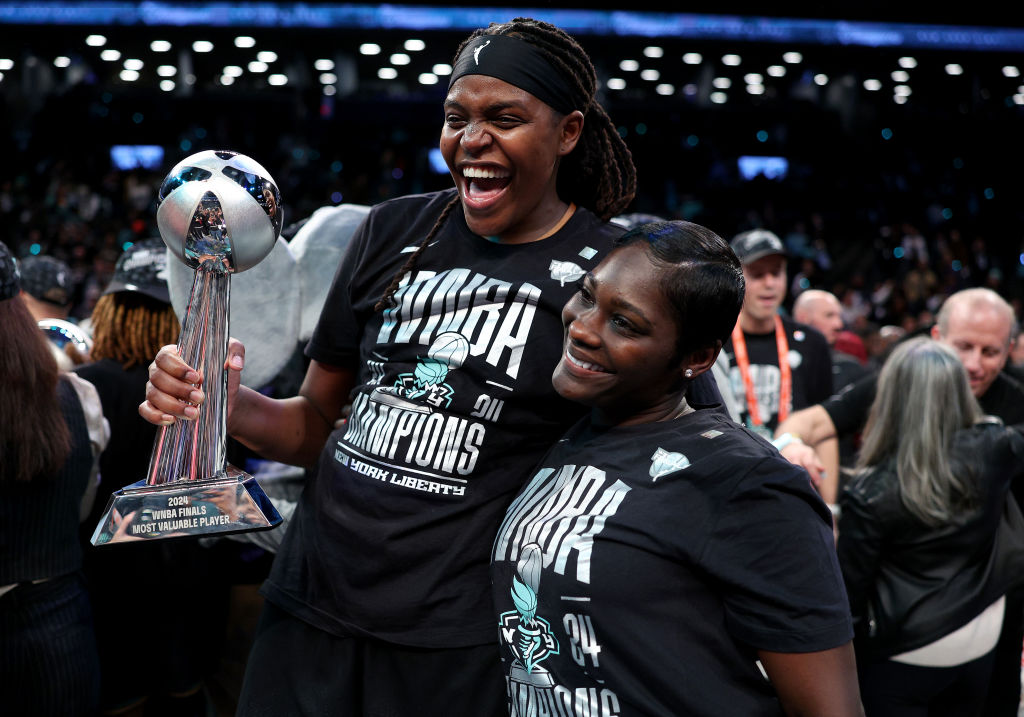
195 450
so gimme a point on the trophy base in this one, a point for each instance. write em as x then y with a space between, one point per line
231 503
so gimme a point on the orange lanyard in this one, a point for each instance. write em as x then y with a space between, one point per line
739 344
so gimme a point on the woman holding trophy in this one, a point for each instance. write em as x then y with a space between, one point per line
441 330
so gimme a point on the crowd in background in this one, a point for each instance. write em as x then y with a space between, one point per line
890 278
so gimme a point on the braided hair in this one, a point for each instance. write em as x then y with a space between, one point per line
598 174
130 328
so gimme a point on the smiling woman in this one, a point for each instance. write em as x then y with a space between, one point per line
663 560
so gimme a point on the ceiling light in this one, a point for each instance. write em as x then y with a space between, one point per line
277 79
719 98
629 65
721 83
753 78
776 70
900 76
110 55
167 85
616 83
160 46
61 61
324 65
792 58
653 51
369 48
267 56
328 78
233 71
908 63
133 64
731 60
95 41
414 45
665 89
244 41
202 46
387 73
755 89
257 66
1011 71
442 68
954 69
902 90
400 58
6 63
872 85
170 70
821 79
226 79
650 75
129 75
428 78
692 58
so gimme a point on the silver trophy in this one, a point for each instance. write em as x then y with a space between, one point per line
220 213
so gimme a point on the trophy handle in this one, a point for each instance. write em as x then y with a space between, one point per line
195 450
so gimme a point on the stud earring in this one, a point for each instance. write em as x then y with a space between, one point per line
688 373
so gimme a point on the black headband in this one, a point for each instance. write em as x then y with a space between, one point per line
521 64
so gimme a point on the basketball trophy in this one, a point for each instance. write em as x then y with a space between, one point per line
220 213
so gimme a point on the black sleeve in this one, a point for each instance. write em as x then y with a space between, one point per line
778 573
849 408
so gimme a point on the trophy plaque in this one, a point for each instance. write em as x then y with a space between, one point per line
220 213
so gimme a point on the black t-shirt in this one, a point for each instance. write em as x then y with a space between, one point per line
810 364
453 408
641 568
850 407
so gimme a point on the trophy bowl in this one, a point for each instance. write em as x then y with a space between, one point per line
216 194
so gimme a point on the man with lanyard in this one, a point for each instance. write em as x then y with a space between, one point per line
776 364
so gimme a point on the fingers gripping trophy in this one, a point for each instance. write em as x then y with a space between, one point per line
220 213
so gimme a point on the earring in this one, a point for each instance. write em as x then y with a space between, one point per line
688 373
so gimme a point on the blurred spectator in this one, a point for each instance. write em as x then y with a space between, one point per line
46 287
51 430
923 535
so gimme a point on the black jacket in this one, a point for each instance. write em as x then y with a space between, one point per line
910 584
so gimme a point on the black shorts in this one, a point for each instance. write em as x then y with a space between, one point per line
296 669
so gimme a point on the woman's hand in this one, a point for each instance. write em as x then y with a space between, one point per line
174 389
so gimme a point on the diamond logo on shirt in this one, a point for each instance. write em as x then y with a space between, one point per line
563 271
665 462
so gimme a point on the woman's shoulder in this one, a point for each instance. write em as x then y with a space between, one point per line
413 204
990 437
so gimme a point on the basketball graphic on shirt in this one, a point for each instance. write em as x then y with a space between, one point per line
450 349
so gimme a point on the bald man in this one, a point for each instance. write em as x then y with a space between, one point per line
822 310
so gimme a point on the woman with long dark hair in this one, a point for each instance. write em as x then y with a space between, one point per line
926 538
51 429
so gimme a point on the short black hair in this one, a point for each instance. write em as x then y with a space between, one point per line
702 280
